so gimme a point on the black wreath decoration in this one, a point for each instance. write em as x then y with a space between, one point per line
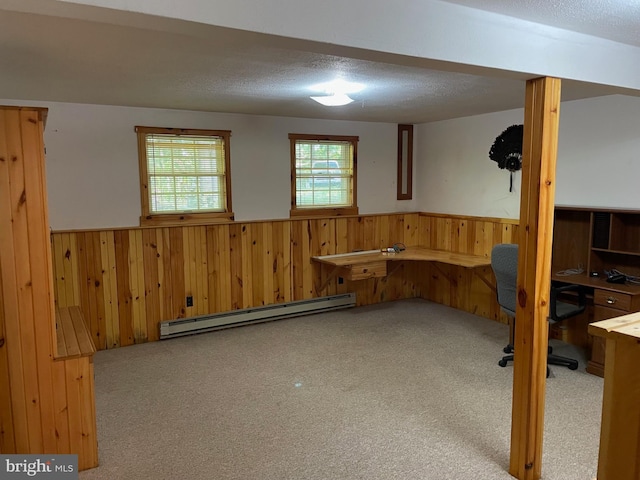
507 150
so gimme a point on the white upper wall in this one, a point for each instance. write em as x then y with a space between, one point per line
454 173
426 29
92 162
598 160
93 181
597 164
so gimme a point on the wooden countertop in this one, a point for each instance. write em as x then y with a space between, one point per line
411 253
597 282
625 327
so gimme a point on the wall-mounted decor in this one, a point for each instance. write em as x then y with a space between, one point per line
405 162
506 150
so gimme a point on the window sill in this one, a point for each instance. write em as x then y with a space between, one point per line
323 212
169 220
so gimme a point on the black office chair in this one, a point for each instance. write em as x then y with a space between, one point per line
504 262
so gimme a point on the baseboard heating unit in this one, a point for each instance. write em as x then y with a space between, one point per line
234 318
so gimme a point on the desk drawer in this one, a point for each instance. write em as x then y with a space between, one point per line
621 301
367 270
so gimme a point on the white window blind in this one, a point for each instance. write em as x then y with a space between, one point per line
324 173
186 173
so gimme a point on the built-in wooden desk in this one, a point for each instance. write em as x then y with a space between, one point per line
598 240
631 290
619 457
375 263
610 300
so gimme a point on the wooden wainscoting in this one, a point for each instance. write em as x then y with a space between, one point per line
127 281
459 287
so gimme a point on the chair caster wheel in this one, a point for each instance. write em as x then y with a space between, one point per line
508 349
573 366
502 363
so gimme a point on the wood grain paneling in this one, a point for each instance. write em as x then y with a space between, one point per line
142 276
38 411
456 286
539 150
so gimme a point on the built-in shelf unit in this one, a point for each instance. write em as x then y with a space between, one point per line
597 241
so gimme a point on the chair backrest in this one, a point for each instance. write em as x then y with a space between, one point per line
504 262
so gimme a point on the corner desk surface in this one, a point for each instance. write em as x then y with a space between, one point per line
411 253
375 263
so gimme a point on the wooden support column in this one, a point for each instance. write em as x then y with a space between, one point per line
539 149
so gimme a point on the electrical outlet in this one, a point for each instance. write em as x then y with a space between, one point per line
189 301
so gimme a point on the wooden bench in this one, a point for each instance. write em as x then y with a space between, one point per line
73 338
74 356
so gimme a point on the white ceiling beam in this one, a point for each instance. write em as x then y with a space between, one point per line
429 29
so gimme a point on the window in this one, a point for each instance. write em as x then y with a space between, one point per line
184 175
323 178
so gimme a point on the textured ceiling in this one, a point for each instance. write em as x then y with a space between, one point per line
50 58
617 20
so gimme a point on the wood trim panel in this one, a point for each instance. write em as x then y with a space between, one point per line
511 221
323 212
405 164
175 219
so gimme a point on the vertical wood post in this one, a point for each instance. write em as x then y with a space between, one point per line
539 149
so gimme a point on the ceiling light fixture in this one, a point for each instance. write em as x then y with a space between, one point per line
336 92
335 100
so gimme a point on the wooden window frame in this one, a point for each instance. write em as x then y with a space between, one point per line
402 168
188 217
324 211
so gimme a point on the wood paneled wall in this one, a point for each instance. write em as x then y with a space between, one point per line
127 281
46 406
459 287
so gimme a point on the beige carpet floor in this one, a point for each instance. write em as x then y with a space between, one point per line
401 390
